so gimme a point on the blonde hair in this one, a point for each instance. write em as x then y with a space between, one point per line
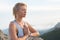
17 7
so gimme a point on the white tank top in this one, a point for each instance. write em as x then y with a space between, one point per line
20 30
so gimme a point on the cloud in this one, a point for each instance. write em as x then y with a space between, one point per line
4 7
44 8
54 0
43 21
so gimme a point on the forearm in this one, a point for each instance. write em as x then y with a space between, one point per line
35 34
20 39
23 38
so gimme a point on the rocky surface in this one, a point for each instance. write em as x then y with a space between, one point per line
34 38
3 36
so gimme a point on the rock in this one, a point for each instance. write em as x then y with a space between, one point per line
34 38
3 36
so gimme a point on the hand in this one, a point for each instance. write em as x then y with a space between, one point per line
25 30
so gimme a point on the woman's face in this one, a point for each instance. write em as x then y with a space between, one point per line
22 11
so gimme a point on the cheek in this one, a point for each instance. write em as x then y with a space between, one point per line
21 12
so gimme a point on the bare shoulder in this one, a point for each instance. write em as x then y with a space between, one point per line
12 31
12 26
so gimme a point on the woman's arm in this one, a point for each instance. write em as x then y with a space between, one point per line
13 32
33 31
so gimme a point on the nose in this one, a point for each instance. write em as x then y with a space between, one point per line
24 11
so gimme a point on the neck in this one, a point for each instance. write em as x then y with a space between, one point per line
19 19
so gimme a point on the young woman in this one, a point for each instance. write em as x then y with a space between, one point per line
18 28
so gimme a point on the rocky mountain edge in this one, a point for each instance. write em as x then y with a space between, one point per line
3 36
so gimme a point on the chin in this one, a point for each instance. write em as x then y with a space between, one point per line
23 16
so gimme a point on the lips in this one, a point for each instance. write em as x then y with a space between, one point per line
24 14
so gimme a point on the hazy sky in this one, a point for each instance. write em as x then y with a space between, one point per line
42 14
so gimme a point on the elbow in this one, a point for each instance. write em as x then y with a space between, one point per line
38 34
35 34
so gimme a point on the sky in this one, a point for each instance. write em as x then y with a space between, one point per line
41 14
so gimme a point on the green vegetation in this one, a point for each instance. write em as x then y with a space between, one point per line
52 35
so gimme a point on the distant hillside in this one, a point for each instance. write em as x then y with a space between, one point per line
6 31
54 34
57 26
42 31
